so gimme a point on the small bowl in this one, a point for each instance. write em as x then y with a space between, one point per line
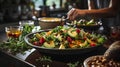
90 59
100 61
50 22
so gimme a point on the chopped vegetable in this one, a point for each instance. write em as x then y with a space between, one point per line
51 44
83 22
72 32
62 46
68 37
42 40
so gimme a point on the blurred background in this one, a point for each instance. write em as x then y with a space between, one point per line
16 10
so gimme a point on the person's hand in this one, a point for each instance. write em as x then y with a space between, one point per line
75 13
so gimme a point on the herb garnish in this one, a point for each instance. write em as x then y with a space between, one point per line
73 64
44 58
17 45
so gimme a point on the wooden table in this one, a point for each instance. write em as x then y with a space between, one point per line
29 59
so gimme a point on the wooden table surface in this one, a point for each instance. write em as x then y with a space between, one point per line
30 54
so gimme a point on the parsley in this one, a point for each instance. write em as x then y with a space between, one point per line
73 64
17 45
44 58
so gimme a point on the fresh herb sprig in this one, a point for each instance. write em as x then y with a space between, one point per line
73 64
17 45
44 58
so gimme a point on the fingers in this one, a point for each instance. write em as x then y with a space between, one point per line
70 14
71 11
75 13
74 16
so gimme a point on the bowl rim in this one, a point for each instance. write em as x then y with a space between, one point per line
47 21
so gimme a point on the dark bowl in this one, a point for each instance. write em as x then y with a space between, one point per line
87 27
56 51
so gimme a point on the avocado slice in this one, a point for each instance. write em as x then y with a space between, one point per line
84 44
49 45
72 33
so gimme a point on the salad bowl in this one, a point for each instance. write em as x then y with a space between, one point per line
64 41
86 24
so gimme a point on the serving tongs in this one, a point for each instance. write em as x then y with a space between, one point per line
65 19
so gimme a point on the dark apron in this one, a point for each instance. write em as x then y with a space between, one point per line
107 22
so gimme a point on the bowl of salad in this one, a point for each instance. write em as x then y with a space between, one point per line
86 24
64 40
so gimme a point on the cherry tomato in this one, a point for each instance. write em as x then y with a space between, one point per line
92 44
42 40
69 39
85 38
36 43
78 31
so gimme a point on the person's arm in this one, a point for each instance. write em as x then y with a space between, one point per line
111 11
